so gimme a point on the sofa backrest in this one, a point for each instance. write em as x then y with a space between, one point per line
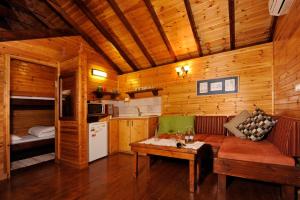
286 136
210 125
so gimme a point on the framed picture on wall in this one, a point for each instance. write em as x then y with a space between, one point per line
217 86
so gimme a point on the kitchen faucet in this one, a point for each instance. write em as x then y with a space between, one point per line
139 111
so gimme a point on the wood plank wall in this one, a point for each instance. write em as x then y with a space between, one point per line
287 63
22 120
253 65
96 62
30 79
2 122
73 133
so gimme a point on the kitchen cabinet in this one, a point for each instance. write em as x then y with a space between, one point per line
130 130
124 135
113 136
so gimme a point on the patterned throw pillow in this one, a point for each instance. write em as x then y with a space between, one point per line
257 126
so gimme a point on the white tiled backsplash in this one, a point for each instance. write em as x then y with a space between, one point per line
148 106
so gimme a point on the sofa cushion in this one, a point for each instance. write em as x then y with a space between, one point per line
210 125
214 140
234 122
257 126
176 123
246 150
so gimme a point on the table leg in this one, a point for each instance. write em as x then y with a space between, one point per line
192 175
221 187
135 164
198 178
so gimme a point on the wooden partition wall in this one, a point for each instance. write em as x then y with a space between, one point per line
253 66
73 141
287 63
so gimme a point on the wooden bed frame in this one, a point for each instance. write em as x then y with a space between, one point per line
30 149
33 148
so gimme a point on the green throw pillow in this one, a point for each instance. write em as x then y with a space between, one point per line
174 124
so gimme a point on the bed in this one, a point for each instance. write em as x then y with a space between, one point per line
30 146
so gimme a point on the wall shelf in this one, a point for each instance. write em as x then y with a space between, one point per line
100 95
153 90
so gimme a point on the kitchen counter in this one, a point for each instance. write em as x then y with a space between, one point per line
135 117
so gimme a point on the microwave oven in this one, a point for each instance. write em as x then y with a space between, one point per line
96 109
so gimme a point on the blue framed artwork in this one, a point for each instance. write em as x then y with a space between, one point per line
217 86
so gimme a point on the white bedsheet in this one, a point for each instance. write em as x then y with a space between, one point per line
30 138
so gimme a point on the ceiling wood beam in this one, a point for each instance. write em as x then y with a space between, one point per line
130 29
8 35
273 28
193 26
160 28
21 8
231 10
82 6
85 36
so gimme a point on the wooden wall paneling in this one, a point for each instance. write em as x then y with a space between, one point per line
46 51
212 20
252 22
145 29
110 83
73 133
287 63
82 109
7 114
69 129
25 119
30 79
4 118
175 22
253 65
56 114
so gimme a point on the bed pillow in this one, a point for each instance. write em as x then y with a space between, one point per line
235 122
15 138
257 126
42 131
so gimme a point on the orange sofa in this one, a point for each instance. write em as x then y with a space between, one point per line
270 160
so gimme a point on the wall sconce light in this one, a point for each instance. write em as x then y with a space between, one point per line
96 72
182 71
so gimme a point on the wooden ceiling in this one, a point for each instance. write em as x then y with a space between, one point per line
137 34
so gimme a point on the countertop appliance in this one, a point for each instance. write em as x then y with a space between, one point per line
96 109
98 139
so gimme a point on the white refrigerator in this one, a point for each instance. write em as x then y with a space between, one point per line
98 140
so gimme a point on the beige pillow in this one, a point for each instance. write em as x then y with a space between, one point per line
235 122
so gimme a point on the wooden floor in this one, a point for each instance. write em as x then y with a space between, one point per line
111 178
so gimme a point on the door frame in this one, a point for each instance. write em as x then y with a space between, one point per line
7 60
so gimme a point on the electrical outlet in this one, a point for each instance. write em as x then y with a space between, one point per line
297 87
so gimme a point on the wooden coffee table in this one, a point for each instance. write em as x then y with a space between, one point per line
193 156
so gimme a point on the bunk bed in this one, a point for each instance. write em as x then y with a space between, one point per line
29 145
